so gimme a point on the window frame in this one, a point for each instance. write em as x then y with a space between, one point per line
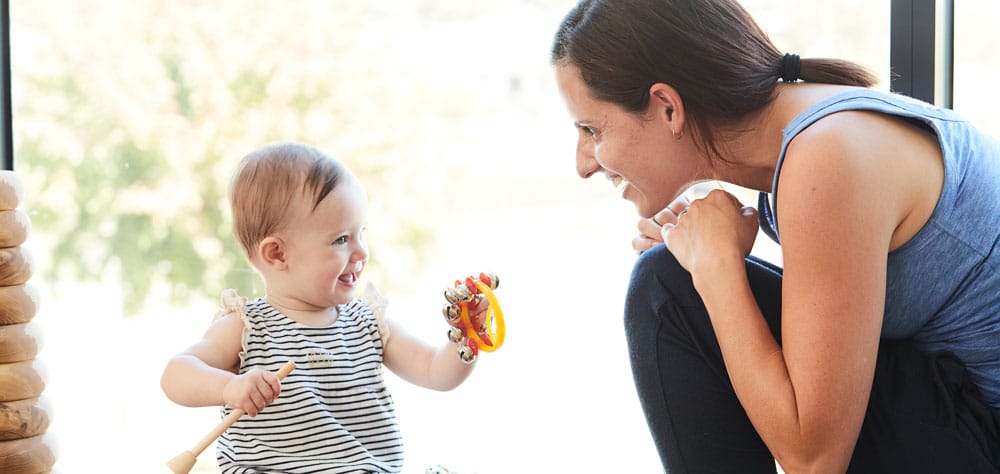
6 128
921 49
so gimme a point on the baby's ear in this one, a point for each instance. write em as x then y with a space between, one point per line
271 253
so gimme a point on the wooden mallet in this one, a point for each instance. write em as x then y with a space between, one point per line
183 462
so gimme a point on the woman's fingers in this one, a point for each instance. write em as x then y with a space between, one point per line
642 243
670 213
651 229
679 205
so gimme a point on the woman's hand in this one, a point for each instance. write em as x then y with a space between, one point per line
712 232
649 229
252 391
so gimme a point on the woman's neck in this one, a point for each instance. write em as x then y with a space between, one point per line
755 148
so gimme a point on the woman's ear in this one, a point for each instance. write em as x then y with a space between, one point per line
271 252
666 103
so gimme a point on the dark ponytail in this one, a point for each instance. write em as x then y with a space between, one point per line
836 71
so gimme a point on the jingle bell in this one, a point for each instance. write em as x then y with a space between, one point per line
456 335
452 313
466 354
491 279
457 294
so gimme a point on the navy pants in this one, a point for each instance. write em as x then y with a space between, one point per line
925 414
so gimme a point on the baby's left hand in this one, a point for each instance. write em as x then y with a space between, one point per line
477 309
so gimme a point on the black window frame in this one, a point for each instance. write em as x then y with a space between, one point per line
6 128
921 50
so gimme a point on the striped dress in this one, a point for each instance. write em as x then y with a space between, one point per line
334 414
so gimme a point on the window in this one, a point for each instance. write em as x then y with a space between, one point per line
130 116
976 61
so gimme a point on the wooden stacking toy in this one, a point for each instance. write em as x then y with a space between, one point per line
25 447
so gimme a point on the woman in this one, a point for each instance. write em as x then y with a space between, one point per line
877 347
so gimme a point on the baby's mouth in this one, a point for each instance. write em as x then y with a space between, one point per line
352 276
349 278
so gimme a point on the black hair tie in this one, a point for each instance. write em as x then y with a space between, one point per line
791 65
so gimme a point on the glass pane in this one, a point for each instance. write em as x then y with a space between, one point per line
977 62
130 117
856 30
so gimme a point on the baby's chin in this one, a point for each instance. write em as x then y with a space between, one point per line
343 296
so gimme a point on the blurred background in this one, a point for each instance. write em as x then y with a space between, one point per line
130 116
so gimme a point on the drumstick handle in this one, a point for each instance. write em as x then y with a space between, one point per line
232 417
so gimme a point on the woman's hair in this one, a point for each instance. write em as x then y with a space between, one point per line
268 180
711 51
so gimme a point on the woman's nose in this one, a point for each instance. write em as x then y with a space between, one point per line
586 165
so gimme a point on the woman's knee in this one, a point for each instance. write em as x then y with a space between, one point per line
658 276
657 282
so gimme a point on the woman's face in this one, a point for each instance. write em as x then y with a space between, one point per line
636 151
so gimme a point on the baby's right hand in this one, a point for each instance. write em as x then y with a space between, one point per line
252 391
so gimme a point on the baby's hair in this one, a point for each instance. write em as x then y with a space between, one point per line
267 181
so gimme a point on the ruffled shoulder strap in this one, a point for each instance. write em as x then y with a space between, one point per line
378 305
234 304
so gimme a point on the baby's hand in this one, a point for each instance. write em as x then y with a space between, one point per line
252 391
477 310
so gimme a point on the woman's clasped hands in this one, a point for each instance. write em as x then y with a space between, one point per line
716 228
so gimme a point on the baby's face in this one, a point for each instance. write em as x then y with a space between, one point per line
325 247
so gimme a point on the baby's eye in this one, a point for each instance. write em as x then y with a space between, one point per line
340 240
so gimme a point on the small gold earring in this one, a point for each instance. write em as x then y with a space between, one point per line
677 136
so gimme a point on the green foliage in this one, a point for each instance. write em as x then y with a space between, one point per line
130 117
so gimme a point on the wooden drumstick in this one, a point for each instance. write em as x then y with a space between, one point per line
184 462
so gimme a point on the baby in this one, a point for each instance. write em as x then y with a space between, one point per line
300 217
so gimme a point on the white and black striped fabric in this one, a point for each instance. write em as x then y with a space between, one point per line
334 414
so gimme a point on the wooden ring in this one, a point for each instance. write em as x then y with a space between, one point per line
18 303
28 455
11 190
14 227
24 418
15 266
19 342
20 380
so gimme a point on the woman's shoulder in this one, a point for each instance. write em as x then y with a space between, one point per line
890 170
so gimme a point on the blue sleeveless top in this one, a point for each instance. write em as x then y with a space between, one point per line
943 286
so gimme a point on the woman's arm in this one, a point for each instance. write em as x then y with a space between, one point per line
841 201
